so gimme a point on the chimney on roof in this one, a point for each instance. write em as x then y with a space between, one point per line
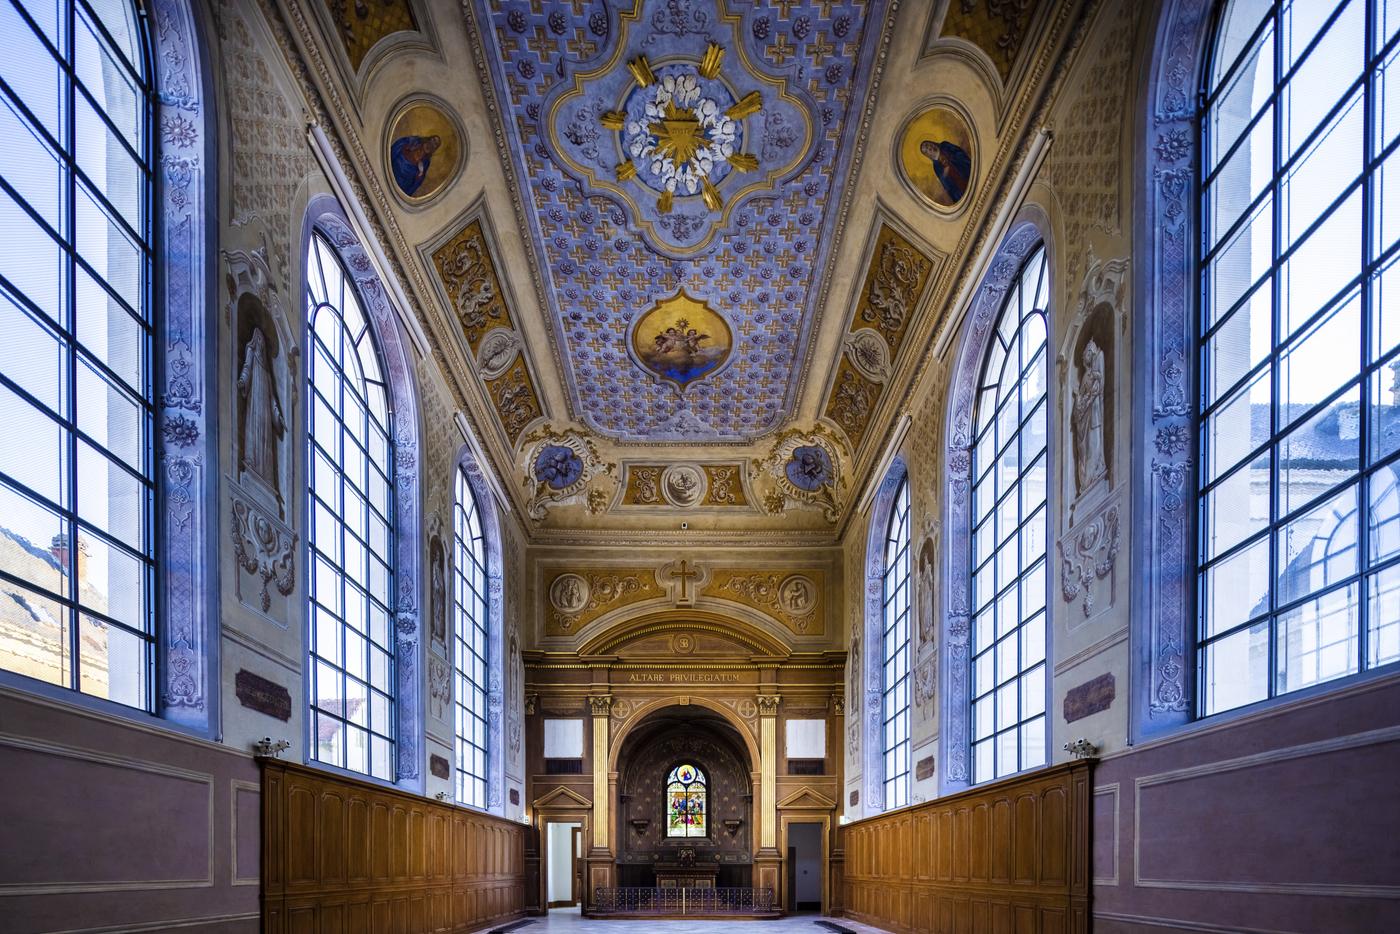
1349 422
61 552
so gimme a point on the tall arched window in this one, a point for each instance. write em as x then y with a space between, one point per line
350 471
77 380
471 605
686 802
895 652
1299 420
1008 526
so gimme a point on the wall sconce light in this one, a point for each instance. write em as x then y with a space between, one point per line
733 824
640 825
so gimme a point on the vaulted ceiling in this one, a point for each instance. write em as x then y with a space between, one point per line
682 258
682 163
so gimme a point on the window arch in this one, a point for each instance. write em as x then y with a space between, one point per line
687 802
894 680
472 645
1260 290
1010 467
103 374
351 488
998 472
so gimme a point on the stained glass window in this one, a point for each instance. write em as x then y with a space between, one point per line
78 460
1009 583
350 501
1298 571
685 802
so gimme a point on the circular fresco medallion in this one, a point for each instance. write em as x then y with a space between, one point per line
937 157
424 149
558 466
682 485
569 593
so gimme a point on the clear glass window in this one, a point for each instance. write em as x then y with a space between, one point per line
351 531
1298 357
471 605
1009 581
895 679
77 464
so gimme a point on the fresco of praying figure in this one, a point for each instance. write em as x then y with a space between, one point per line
951 164
411 157
263 420
1090 465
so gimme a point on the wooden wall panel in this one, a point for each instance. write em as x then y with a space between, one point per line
342 856
1012 856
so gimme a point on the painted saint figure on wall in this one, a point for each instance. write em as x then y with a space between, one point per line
411 157
437 591
264 423
1090 464
951 164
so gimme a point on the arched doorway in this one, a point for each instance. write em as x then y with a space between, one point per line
685 802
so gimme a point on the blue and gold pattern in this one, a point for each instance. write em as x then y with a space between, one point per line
723 183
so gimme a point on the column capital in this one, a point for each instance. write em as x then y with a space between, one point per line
768 704
601 704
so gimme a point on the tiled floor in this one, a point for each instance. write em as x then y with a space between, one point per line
569 921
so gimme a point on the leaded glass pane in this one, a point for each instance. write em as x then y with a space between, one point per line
353 682
77 553
1291 568
895 684
1008 675
470 600
685 802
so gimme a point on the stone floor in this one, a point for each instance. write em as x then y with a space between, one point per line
569 920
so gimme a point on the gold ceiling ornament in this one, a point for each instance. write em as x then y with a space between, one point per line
685 135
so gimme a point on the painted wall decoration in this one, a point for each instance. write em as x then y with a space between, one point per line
806 468
362 23
684 485
895 280
577 596
466 274
424 150
937 156
794 598
663 146
558 467
998 28
681 339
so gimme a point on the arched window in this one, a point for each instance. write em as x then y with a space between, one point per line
895 652
1008 526
471 614
686 804
350 471
1297 410
77 377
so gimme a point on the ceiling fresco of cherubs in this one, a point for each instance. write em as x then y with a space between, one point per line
681 164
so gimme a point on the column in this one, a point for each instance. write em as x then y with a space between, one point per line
602 706
768 861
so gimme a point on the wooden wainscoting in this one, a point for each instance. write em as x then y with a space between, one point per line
1010 857
342 856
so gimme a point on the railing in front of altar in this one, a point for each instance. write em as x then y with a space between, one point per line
676 900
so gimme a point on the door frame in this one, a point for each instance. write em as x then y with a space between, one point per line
806 816
545 815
